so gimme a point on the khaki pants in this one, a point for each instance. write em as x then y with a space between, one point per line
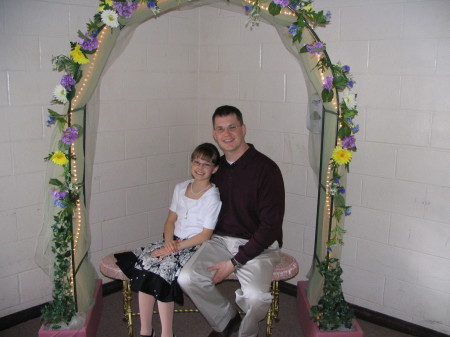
255 277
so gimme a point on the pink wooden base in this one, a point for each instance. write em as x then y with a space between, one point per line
309 328
90 325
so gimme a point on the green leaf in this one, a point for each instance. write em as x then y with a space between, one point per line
320 18
350 114
297 37
61 125
344 131
274 8
338 214
303 49
339 200
340 82
327 95
55 182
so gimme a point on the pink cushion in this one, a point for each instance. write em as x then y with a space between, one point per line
109 268
286 269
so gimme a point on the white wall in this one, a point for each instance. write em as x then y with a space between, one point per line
397 252
156 104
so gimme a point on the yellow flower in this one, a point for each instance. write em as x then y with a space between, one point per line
308 8
59 158
78 56
341 156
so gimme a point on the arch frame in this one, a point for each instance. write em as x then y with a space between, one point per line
317 68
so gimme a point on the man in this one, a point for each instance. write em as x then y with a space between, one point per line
247 237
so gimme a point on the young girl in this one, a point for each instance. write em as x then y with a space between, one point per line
153 270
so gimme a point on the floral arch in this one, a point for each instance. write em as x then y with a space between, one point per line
63 244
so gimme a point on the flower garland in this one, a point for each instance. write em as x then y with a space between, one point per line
64 189
331 312
339 81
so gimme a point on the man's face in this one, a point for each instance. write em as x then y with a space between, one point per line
229 133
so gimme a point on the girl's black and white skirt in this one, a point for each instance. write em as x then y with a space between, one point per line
152 275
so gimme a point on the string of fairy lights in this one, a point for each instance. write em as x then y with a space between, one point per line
86 78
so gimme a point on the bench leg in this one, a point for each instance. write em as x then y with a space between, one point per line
127 313
274 307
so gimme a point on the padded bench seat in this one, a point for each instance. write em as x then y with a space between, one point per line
286 269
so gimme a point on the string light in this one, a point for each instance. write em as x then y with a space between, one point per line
90 70
86 78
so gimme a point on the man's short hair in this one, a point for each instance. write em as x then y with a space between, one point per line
226 110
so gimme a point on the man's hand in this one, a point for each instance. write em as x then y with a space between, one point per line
223 269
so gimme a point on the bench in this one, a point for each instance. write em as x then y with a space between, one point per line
286 269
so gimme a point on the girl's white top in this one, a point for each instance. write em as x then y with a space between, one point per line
194 215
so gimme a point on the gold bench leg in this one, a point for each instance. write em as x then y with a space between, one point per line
274 307
127 313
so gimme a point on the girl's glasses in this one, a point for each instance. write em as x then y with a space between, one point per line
202 165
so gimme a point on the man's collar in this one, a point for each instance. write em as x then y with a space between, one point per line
244 159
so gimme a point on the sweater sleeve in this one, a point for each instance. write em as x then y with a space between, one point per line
270 209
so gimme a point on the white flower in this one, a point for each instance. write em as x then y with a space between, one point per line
60 94
109 18
349 99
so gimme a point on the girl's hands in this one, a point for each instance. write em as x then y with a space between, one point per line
170 248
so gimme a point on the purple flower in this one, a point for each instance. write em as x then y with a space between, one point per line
69 135
329 249
336 180
350 84
125 9
315 48
247 8
328 16
348 211
345 69
59 203
355 129
348 142
341 190
50 120
282 3
59 195
67 81
151 4
94 33
90 43
349 120
328 83
293 29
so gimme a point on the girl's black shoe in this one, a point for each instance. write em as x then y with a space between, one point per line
152 335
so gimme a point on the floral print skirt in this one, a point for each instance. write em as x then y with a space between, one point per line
152 275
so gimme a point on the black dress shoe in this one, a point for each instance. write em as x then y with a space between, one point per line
152 335
231 327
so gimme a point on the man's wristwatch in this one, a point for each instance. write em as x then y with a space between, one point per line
235 263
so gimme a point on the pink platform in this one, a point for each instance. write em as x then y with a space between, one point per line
90 325
309 327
